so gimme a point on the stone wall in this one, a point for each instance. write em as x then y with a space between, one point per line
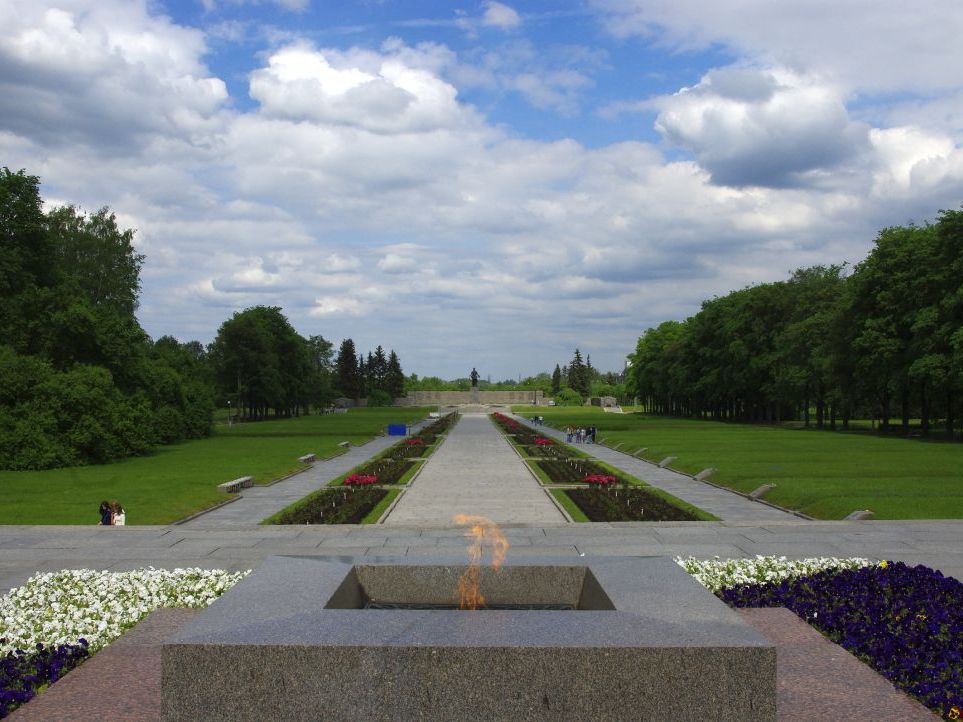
454 398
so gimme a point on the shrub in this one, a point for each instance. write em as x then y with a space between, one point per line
568 397
380 398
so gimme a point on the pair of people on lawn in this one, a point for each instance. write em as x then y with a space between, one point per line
112 514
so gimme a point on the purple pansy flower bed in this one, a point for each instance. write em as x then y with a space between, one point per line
23 673
905 622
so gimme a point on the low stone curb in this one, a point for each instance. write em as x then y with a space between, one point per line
196 514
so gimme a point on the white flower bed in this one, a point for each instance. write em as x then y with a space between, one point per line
716 574
62 607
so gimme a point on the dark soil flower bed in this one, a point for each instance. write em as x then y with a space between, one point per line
571 471
555 451
23 673
388 471
405 451
905 622
345 505
440 426
625 504
426 438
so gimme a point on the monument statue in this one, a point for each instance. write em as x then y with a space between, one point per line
474 378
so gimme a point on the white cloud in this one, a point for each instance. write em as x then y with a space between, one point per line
119 74
548 79
395 263
913 160
883 46
368 200
337 305
558 90
338 263
761 127
500 16
382 93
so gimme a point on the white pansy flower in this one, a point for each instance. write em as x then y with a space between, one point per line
716 574
62 607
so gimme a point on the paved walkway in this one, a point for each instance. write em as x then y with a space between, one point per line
25 550
475 471
726 505
257 503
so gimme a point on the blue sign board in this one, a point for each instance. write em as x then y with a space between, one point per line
397 429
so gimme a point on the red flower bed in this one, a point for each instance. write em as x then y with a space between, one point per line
542 441
360 480
505 422
600 479
414 441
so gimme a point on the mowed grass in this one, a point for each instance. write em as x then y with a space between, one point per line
181 479
823 474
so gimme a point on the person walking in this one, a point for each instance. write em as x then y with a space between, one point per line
105 514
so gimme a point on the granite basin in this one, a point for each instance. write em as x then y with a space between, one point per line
642 640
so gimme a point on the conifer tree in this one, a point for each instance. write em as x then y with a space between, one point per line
346 370
395 377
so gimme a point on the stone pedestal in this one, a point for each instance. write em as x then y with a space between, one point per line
474 394
643 641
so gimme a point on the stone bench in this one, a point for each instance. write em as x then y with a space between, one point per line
344 444
233 487
308 459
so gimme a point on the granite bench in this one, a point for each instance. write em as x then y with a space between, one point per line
233 487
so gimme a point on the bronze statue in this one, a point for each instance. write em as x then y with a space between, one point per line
474 377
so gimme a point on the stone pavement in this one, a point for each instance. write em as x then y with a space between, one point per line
257 503
724 504
475 471
26 549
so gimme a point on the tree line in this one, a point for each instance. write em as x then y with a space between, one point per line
883 340
82 383
569 384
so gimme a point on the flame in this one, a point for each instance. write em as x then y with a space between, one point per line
484 533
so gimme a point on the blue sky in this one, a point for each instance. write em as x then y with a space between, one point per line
482 184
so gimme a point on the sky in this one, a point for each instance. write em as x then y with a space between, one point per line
483 184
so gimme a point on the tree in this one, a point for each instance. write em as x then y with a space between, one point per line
319 383
264 361
378 369
556 380
347 373
578 375
98 389
395 377
363 379
97 256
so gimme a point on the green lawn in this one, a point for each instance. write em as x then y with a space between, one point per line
181 479
824 474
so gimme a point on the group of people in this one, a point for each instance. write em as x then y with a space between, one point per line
538 420
580 434
112 514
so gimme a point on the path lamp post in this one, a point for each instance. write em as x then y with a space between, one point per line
229 415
